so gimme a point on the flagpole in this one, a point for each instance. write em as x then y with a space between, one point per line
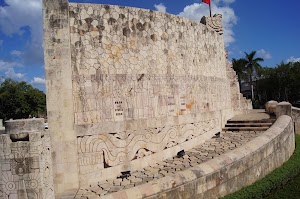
210 9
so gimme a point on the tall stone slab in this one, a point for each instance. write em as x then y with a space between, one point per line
59 96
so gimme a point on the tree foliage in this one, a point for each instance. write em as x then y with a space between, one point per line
20 100
281 83
247 68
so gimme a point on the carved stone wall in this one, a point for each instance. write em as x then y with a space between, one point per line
132 63
127 87
25 162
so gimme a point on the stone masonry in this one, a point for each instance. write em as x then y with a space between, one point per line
128 91
127 87
25 161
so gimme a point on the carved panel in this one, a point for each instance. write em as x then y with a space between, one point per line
113 149
25 168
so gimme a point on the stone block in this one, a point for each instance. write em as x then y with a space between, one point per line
271 106
283 108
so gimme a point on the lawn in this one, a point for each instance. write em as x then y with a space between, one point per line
283 182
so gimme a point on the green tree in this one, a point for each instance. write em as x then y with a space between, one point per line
280 83
20 100
253 67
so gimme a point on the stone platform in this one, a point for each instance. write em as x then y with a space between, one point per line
216 146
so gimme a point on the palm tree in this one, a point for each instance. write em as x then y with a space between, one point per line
252 65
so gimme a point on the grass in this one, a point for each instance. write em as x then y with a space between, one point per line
283 182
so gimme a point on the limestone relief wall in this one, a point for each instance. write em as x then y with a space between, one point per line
128 86
135 64
132 63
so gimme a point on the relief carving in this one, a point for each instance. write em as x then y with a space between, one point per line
111 149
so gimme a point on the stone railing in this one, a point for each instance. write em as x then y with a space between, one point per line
273 108
296 119
25 160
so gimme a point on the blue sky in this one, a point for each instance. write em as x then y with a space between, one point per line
272 28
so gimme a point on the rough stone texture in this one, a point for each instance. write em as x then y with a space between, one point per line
238 101
296 119
58 72
224 174
25 162
24 125
120 77
283 108
128 87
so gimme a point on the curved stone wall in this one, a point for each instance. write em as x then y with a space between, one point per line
226 173
128 86
296 119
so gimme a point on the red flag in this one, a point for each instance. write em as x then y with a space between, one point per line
206 1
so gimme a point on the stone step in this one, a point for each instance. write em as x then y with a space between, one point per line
245 128
248 124
252 121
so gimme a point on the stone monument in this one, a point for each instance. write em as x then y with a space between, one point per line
126 88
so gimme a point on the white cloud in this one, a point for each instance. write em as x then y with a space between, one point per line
160 7
10 73
293 59
196 11
38 81
16 53
264 54
6 65
24 13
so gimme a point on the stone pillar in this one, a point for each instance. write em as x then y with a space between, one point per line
60 97
271 107
283 108
25 160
